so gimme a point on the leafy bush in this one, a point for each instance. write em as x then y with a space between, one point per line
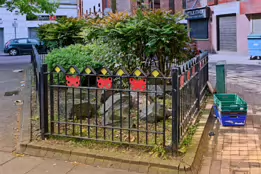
77 55
63 33
143 38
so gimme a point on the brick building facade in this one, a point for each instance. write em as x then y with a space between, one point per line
130 4
216 25
228 26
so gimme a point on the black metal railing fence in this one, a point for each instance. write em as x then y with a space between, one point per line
120 106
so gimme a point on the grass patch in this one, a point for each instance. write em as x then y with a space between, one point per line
124 149
188 139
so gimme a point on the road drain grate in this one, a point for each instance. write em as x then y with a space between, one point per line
11 93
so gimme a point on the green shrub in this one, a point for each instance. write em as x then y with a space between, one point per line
74 55
142 37
63 33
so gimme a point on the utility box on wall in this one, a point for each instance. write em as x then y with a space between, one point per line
221 77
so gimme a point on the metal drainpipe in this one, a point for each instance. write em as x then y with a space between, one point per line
106 3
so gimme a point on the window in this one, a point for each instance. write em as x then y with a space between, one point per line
32 41
154 4
22 41
199 29
256 25
66 2
184 4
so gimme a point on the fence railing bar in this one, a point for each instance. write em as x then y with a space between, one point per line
98 89
175 109
101 140
106 127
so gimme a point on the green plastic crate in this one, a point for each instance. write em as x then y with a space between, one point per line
230 103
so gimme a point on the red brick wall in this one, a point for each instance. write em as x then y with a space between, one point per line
225 1
109 4
178 6
103 5
191 3
250 7
164 4
212 2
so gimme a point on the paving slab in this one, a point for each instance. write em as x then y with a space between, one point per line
81 169
52 166
20 165
5 157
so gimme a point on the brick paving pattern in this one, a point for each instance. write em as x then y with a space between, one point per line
237 150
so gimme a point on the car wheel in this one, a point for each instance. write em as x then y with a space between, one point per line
13 52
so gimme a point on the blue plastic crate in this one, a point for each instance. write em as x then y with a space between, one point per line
237 119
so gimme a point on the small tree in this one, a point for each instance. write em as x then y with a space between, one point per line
63 33
143 38
30 7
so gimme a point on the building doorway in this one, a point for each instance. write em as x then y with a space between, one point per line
227 33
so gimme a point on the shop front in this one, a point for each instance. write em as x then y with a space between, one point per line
199 27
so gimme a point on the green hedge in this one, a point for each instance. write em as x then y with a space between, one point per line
74 55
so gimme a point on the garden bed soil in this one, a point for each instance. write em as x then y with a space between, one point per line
139 133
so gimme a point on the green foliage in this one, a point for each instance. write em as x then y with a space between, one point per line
159 151
31 7
187 141
142 37
77 55
105 52
63 33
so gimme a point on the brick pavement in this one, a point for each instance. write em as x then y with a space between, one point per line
234 149
237 150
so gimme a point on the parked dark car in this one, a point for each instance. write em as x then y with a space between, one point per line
23 46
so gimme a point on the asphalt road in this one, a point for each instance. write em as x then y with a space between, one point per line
243 79
10 81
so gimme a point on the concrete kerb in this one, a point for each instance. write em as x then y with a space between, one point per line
25 124
193 157
190 162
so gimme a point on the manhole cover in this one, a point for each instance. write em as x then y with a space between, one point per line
11 93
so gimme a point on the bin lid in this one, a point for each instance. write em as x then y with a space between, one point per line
221 62
254 36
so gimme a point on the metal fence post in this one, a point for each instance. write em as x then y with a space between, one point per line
32 57
44 100
207 69
198 84
175 109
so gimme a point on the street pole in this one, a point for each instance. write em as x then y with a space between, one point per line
15 26
15 32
